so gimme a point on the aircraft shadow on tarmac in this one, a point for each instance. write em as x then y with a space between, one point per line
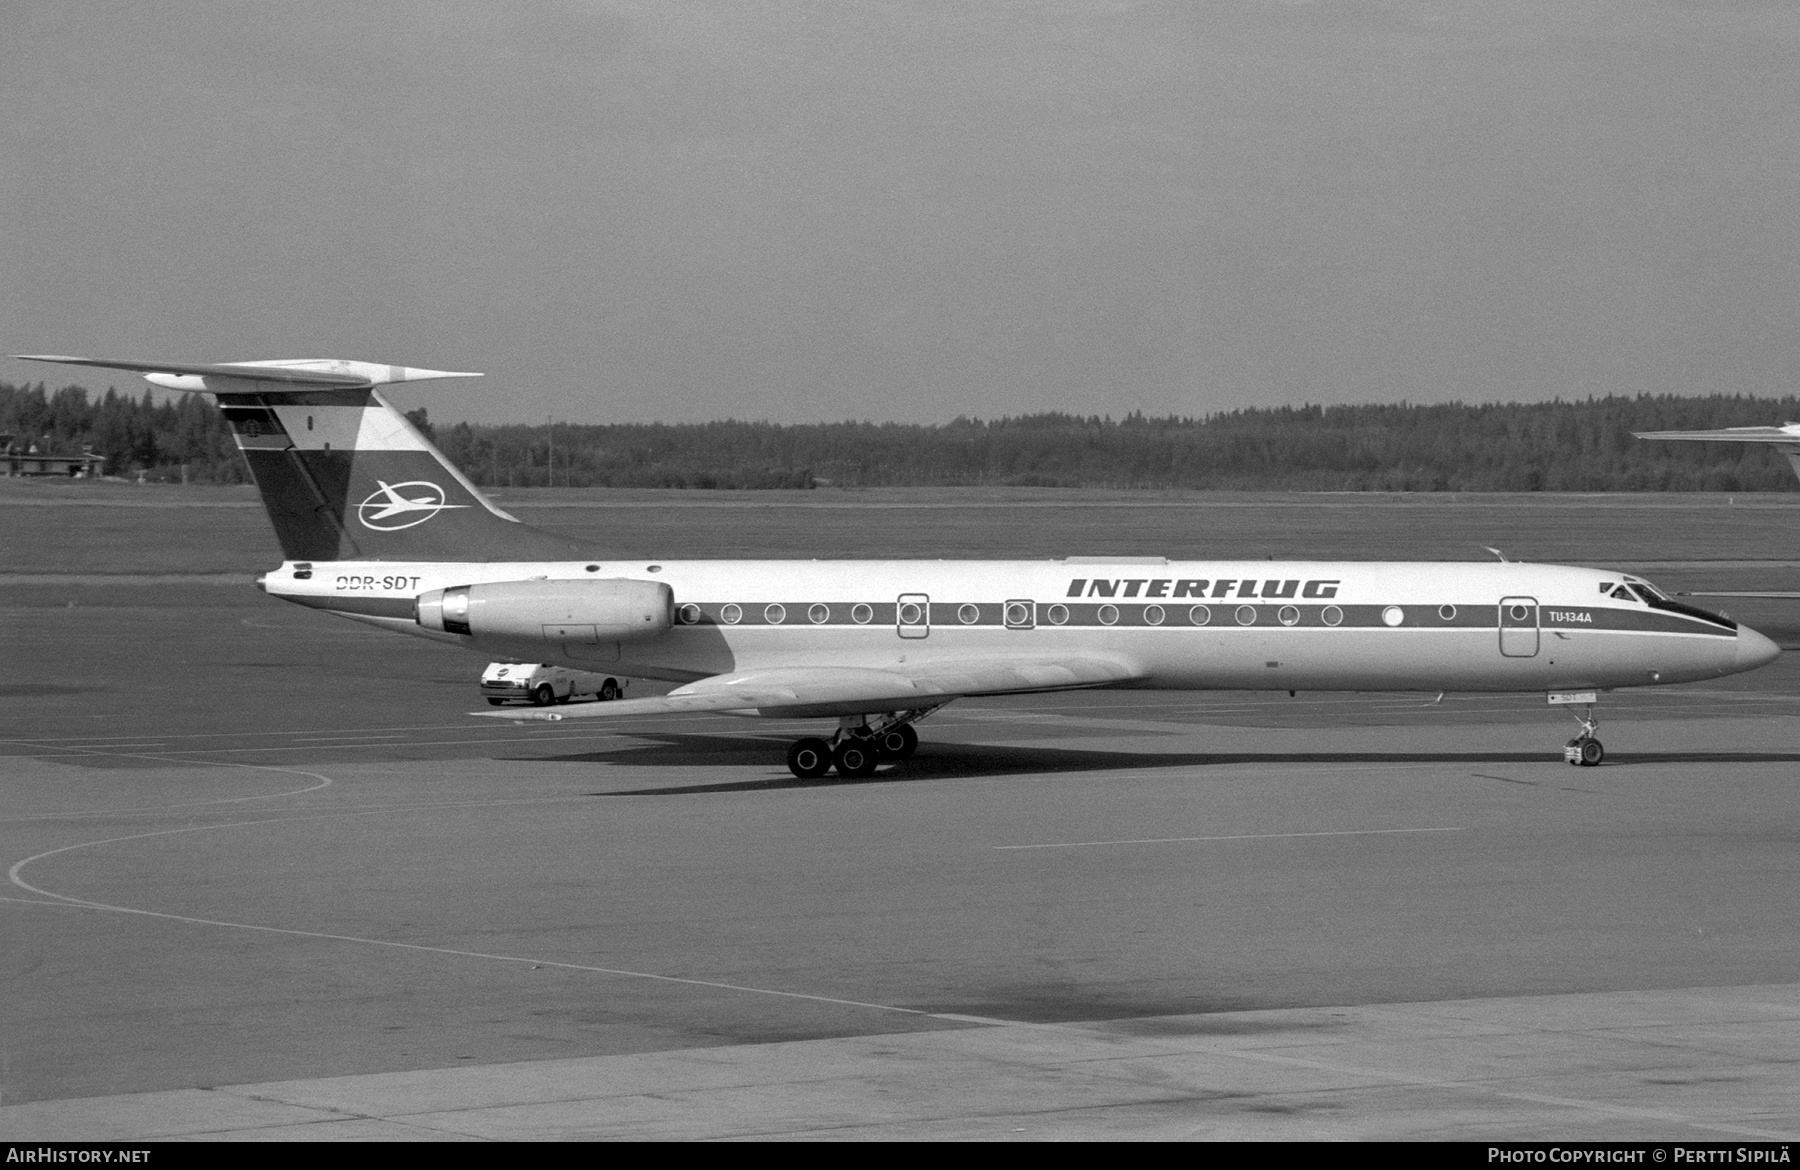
954 761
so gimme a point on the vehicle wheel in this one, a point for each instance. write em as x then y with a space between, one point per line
855 758
809 759
495 702
543 696
609 690
899 743
1592 753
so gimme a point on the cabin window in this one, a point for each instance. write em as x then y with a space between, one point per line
968 615
309 422
818 615
1246 615
911 614
1331 615
861 614
1447 612
1393 615
1059 614
731 615
1109 614
775 614
1153 615
1018 615
1199 615
1289 615
690 614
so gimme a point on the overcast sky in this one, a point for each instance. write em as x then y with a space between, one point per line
628 212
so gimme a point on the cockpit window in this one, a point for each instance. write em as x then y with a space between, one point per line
1656 600
1622 593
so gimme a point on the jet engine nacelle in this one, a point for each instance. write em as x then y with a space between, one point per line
606 610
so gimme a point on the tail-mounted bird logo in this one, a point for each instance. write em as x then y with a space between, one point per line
390 508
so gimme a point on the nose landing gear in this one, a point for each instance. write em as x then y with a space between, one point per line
861 743
1584 750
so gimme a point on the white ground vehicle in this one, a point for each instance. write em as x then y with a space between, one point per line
536 682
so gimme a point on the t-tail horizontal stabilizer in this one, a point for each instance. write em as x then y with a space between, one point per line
298 372
343 475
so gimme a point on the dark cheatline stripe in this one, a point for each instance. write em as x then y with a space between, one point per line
1223 614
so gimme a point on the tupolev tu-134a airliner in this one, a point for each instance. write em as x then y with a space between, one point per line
376 525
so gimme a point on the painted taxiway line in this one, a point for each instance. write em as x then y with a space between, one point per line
534 961
14 875
1231 837
51 752
414 728
327 739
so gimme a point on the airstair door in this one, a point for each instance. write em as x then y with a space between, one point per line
1519 627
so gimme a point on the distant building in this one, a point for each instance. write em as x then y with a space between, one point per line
18 460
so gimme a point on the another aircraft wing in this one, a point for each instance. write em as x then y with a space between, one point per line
1786 439
801 692
1787 434
1777 596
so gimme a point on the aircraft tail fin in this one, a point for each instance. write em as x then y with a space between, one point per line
343 475
1786 439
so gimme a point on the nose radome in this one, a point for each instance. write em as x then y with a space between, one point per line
1754 650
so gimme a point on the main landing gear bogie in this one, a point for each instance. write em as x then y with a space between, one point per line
857 748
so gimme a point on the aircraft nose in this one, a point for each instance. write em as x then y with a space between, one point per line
1754 650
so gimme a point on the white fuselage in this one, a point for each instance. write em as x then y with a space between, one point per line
1176 625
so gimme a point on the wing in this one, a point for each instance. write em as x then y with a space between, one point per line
1776 596
1787 434
1785 439
806 692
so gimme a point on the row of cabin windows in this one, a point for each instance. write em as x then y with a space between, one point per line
1017 614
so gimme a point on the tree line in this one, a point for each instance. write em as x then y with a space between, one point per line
182 438
1583 445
